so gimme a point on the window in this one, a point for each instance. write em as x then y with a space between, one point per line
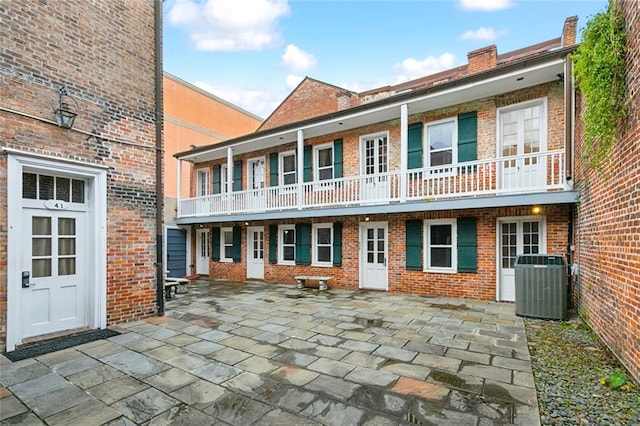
202 182
288 168
323 244
441 249
223 178
287 242
441 144
323 158
226 243
46 187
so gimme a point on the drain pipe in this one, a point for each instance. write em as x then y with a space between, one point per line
159 155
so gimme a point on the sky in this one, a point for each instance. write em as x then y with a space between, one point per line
253 53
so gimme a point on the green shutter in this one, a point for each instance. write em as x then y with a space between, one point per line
273 169
337 158
468 136
216 179
307 163
414 146
303 244
237 175
237 243
413 251
337 244
215 244
467 244
273 243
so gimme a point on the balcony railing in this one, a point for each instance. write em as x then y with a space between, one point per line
528 173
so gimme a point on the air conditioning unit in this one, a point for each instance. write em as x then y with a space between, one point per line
541 286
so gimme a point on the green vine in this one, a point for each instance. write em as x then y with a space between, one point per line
599 68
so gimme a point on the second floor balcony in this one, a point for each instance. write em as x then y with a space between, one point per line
540 172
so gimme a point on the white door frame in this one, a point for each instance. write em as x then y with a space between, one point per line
361 261
199 233
250 231
542 243
96 244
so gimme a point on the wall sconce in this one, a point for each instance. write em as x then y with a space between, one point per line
536 210
366 219
63 114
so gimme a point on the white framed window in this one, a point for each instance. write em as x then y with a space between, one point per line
287 168
441 249
323 159
287 244
322 244
442 144
202 182
226 245
223 179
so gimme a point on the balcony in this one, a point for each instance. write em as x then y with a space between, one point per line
523 174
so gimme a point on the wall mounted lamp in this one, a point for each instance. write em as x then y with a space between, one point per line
63 114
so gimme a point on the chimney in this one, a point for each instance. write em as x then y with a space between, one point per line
482 59
569 31
344 101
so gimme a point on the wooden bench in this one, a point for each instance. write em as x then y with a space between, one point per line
172 285
322 281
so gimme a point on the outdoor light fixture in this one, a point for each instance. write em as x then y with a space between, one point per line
63 114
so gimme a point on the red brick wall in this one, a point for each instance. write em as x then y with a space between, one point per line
480 285
608 233
104 53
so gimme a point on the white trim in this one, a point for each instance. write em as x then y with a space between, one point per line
316 161
454 245
96 199
498 255
314 244
282 228
223 257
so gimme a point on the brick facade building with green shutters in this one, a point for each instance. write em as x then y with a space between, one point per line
433 186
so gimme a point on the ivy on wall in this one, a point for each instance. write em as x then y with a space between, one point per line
599 69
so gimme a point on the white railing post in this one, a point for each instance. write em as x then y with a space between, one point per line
404 151
179 202
300 169
229 179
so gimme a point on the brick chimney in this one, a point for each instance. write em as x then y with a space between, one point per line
344 100
482 59
569 31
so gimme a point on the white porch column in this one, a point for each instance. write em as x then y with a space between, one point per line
179 192
300 167
229 178
404 153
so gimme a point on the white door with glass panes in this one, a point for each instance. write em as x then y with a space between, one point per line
516 237
373 255
256 197
202 190
522 134
255 252
375 188
203 251
54 271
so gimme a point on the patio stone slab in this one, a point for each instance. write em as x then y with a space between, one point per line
117 389
395 353
170 380
294 375
508 392
487 372
296 358
427 391
364 360
39 386
135 364
279 417
257 364
378 399
407 370
145 405
295 400
183 415
93 412
199 394
333 413
10 406
21 372
76 365
237 409
331 367
229 356
333 386
216 372
203 347
56 401
367 376
439 362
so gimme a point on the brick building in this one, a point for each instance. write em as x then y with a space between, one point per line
608 226
431 187
192 117
79 215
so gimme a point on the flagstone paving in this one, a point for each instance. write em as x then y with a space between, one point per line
251 353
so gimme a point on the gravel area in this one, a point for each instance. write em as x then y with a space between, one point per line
572 372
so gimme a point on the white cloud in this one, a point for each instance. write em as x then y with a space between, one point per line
411 68
228 25
257 101
482 34
297 60
486 5
293 81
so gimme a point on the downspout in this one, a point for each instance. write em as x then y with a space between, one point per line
159 152
568 121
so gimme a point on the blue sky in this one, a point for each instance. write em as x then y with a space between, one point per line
252 53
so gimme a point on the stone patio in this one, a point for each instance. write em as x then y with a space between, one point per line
249 353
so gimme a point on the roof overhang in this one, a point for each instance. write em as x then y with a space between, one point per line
504 79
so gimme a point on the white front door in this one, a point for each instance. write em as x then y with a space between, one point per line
522 133
375 187
203 247
255 252
255 179
54 273
373 255
202 190
516 236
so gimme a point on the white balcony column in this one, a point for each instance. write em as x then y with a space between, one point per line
300 168
229 178
179 192
404 153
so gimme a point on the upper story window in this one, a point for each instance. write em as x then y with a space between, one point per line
442 141
323 158
288 168
223 178
202 182
37 186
